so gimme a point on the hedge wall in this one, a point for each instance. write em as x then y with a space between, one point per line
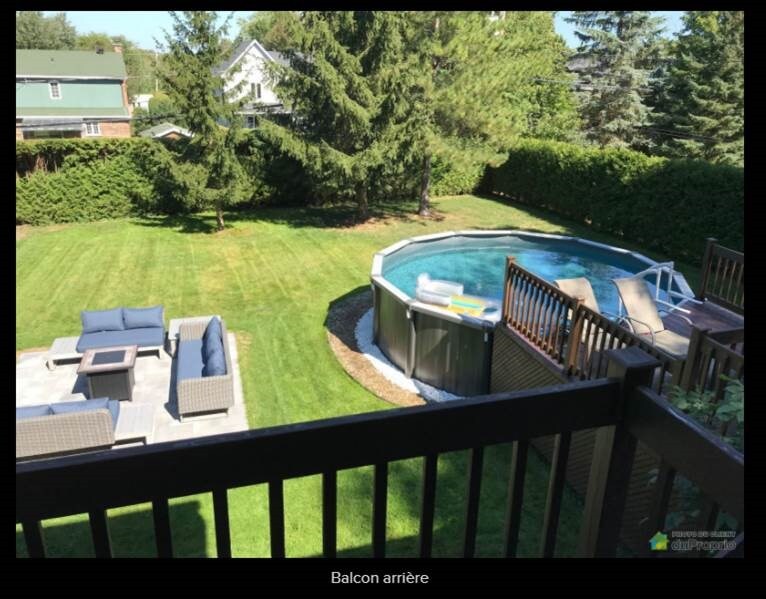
667 205
64 180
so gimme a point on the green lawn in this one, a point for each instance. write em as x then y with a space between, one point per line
272 275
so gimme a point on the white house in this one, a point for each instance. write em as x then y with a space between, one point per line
142 101
252 57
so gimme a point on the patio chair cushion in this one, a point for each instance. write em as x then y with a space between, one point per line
190 360
33 412
101 403
140 318
212 339
95 321
215 364
146 337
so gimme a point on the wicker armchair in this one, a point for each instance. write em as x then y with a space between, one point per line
208 393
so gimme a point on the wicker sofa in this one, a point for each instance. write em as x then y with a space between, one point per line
66 427
199 388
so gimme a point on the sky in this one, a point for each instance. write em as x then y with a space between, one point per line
142 26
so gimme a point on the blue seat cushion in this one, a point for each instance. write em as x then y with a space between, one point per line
212 339
215 364
33 412
102 320
147 337
100 403
190 362
143 318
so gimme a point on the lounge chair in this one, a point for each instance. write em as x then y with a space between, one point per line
580 287
643 316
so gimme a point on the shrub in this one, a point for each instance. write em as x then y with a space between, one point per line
667 205
451 178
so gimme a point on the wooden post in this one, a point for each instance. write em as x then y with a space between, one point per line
696 338
613 455
706 258
509 260
575 335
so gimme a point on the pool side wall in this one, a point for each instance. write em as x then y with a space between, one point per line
445 351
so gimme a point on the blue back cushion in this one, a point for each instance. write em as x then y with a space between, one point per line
100 403
33 412
215 364
212 340
143 318
102 320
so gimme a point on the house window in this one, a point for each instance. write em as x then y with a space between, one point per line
92 128
250 121
255 90
55 90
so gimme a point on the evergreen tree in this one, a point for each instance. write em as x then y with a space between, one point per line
272 28
700 102
485 80
34 31
348 121
620 51
194 49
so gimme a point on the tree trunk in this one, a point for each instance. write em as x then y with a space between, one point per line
425 183
361 202
219 216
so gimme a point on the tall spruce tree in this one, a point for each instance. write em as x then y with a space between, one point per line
619 48
349 113
700 102
194 49
484 81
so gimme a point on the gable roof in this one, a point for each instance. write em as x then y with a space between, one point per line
242 49
70 64
163 129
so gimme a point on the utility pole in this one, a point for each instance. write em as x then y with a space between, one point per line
156 79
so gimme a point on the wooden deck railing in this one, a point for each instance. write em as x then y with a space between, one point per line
723 277
570 333
620 407
711 356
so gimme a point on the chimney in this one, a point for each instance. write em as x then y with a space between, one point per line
117 47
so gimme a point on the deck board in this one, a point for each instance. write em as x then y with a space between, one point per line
704 316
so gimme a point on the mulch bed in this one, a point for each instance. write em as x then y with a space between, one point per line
341 322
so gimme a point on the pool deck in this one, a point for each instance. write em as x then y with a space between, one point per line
704 316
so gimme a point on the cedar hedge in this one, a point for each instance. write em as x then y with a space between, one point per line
667 205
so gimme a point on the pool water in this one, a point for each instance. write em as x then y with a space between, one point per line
479 265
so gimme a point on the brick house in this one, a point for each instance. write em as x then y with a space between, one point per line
71 93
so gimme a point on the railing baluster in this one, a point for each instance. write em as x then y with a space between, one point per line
33 536
555 492
428 500
329 513
658 509
99 530
472 505
277 518
221 516
515 496
162 535
380 493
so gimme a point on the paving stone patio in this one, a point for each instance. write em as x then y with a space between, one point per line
154 384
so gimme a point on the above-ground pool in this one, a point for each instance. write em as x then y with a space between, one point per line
453 351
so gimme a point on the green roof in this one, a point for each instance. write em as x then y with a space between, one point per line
162 129
69 63
53 111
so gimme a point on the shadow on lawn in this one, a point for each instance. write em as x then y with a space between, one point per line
132 534
338 216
